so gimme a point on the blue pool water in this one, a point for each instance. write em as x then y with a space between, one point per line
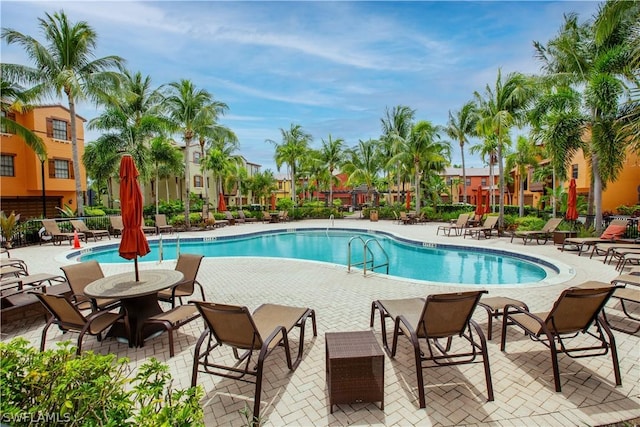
406 259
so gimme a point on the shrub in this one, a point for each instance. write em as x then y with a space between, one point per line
526 223
93 212
56 386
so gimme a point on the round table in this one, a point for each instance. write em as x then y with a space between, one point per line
139 299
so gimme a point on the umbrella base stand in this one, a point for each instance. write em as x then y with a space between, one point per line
138 310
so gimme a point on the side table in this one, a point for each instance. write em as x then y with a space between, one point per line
559 236
354 367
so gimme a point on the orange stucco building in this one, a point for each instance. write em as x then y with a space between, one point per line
21 171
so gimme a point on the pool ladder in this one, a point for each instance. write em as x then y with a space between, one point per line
367 263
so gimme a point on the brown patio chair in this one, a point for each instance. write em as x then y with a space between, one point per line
456 226
188 265
81 227
484 230
116 225
216 223
79 276
245 218
406 219
629 293
229 217
172 320
147 228
543 235
57 236
161 224
609 250
440 316
578 310
267 217
261 331
68 317
613 232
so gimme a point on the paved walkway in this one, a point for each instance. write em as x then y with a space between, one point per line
522 376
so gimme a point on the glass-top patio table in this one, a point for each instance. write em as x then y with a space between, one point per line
139 299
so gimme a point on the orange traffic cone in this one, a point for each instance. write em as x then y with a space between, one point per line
76 240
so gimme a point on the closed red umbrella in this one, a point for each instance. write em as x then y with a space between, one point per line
479 202
273 202
133 243
408 200
572 202
487 208
222 206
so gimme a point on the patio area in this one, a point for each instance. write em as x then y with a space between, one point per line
522 376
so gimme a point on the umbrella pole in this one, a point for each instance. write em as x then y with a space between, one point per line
135 261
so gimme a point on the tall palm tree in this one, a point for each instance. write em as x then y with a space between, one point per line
503 106
262 184
166 158
294 145
396 128
191 110
525 156
16 99
65 63
331 156
220 158
423 152
101 162
461 125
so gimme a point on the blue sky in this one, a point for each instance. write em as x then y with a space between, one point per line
331 67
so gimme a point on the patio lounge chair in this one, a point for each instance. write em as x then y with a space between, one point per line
261 331
147 228
66 315
229 217
543 234
630 293
79 276
613 232
161 224
577 310
215 223
57 236
116 225
172 320
245 218
267 217
609 249
439 316
81 227
188 265
456 226
485 229
406 219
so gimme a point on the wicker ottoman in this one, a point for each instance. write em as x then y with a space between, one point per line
355 368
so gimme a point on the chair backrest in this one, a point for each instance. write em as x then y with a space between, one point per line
577 308
51 226
490 222
161 220
551 225
79 225
228 215
188 265
81 274
116 222
266 215
231 325
462 220
403 215
62 309
241 214
445 315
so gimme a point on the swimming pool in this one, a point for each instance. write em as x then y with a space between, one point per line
408 259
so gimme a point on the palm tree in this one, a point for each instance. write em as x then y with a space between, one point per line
526 156
363 165
331 154
423 152
237 175
166 159
101 162
502 107
220 159
66 64
191 110
262 184
396 128
295 143
462 124
16 99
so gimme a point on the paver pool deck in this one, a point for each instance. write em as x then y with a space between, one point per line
455 395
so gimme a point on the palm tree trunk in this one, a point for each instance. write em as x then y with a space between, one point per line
157 196
76 157
521 196
187 188
597 192
464 175
501 189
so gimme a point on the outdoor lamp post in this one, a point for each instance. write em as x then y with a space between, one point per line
43 158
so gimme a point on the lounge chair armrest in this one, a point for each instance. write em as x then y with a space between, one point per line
402 320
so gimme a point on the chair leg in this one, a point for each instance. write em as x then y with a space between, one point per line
485 361
554 362
44 333
612 344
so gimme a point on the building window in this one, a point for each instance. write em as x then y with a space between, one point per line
197 181
468 182
6 165
60 168
196 157
483 181
10 116
574 171
58 129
